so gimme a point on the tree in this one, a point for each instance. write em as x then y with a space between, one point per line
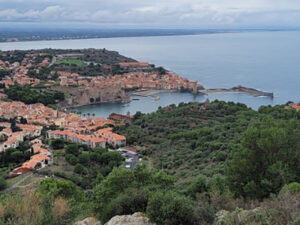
268 159
161 70
72 149
115 183
84 158
126 191
17 156
57 143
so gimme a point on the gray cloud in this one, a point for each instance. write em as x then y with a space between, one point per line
154 12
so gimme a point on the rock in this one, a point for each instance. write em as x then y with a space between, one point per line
88 221
135 219
221 214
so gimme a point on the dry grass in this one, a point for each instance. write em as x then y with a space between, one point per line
24 208
60 209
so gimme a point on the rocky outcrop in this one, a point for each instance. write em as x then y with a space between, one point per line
86 96
135 219
88 221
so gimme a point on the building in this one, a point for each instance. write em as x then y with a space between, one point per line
120 118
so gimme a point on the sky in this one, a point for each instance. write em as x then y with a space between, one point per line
152 13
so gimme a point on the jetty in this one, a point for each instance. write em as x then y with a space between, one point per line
239 89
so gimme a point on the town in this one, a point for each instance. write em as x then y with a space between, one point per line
109 77
32 119
86 82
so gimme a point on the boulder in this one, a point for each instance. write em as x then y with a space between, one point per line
135 219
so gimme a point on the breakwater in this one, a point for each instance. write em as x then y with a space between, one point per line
239 89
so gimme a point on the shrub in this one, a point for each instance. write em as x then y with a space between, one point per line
126 203
60 188
79 169
71 159
293 188
171 209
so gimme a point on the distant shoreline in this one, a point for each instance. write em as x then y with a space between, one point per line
13 38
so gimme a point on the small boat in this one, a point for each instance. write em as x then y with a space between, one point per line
156 98
136 99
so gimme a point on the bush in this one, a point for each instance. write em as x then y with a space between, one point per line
199 185
125 204
293 188
60 188
79 169
71 159
171 209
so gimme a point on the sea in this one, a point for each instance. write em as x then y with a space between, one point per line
264 60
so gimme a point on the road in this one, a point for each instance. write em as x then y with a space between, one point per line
53 61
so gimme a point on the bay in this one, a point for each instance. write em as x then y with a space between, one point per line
267 61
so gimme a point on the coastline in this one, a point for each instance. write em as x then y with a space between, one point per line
153 93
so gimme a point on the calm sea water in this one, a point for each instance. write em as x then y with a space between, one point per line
264 60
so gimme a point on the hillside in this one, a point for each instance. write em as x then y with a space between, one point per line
212 163
192 138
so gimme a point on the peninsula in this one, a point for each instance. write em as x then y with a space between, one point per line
72 78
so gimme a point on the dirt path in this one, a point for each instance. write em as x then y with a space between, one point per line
17 183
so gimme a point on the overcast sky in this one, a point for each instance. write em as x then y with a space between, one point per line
154 13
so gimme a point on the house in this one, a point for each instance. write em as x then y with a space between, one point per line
32 130
120 118
296 106
38 160
11 142
110 137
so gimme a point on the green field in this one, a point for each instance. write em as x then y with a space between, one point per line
76 62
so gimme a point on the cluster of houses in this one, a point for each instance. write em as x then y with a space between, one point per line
93 132
70 79
20 70
135 79
152 80
40 159
99 138
41 155
13 139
